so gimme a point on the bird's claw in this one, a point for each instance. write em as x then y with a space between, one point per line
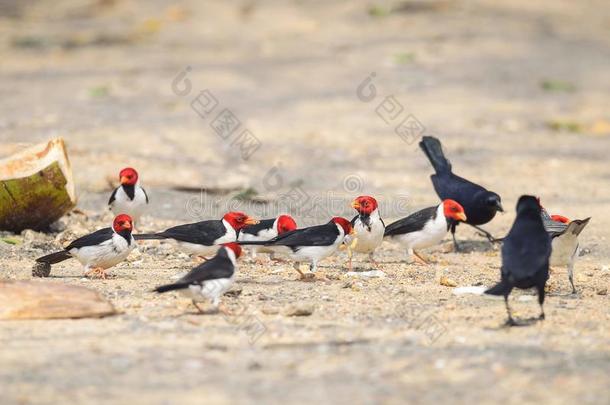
97 272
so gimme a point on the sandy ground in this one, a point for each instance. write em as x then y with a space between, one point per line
518 92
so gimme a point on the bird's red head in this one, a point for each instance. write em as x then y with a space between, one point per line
285 223
453 210
560 218
343 223
239 220
128 176
364 204
235 247
122 222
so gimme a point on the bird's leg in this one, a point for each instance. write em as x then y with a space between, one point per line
97 272
456 246
571 276
541 301
200 259
510 321
419 259
372 260
201 311
303 276
486 234
349 259
224 310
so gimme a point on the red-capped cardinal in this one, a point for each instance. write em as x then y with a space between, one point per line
211 279
564 235
426 227
368 227
99 250
203 238
265 230
310 244
129 198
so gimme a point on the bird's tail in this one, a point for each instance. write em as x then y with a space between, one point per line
55 257
577 226
171 287
502 288
254 242
434 151
149 236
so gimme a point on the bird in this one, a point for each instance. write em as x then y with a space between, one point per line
203 238
564 240
99 250
426 227
129 198
526 252
209 280
310 244
368 226
265 230
480 204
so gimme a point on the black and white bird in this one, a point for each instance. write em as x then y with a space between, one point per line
564 236
211 279
129 198
480 204
203 238
526 252
265 230
368 228
425 228
310 244
99 250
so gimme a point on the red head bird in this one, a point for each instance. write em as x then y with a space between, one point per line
343 223
453 210
364 204
235 247
122 222
238 220
128 176
285 223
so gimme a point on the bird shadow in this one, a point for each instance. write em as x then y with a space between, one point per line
517 323
468 246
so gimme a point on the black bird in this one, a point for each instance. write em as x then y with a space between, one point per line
479 203
526 253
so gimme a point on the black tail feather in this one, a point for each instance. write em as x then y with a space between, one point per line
253 242
56 257
149 236
171 287
502 288
434 151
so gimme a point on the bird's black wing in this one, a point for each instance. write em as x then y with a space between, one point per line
320 235
412 223
112 196
219 266
201 233
262 225
526 249
353 221
92 239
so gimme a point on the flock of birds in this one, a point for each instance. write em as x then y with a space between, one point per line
535 241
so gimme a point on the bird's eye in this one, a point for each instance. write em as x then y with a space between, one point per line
454 209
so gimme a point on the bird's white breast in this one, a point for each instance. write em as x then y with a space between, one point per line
431 234
564 249
122 204
106 254
368 241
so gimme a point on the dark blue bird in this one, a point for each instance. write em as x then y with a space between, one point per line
526 251
480 204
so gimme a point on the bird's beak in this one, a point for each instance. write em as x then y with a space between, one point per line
355 205
461 216
251 221
124 180
352 232
499 206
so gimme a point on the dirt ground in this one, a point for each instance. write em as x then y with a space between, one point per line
518 91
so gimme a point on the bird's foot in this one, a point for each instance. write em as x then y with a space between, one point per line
419 260
201 311
542 317
307 277
97 272
224 310
259 260
200 259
